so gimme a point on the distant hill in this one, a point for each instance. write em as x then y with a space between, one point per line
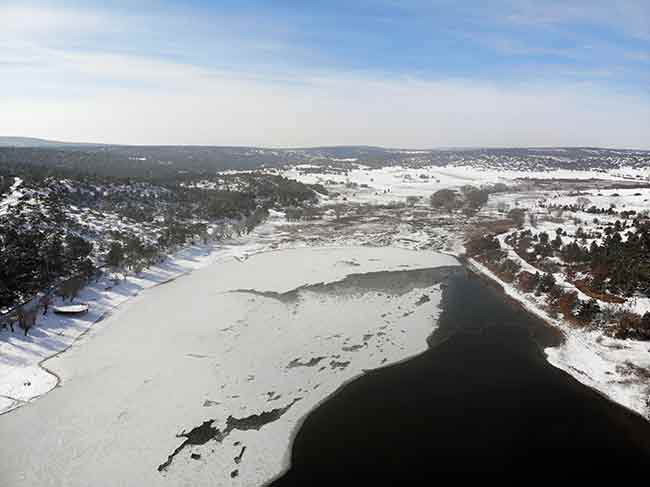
171 161
35 142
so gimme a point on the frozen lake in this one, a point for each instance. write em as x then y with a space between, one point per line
204 380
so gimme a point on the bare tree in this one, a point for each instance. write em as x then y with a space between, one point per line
412 200
7 321
338 211
582 202
45 302
518 216
71 287
27 319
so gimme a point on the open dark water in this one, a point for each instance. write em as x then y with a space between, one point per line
482 399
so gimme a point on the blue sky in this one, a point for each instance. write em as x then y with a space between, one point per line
409 73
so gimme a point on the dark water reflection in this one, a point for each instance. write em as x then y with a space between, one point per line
481 399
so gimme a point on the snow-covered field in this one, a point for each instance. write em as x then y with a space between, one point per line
242 350
395 183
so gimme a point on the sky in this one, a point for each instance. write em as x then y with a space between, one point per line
288 73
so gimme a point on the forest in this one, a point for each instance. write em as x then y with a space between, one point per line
59 228
611 265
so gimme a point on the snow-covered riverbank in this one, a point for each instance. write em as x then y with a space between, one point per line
246 348
23 379
603 363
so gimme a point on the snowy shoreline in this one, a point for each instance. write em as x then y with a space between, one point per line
23 376
587 356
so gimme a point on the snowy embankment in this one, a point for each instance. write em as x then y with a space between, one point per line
606 364
619 368
209 377
23 378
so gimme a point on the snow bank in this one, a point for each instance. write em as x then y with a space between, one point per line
608 365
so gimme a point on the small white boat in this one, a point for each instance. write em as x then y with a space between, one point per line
71 309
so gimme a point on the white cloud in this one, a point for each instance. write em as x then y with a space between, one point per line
31 20
69 94
188 105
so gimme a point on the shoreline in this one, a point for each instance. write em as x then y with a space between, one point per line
464 265
286 459
209 254
510 294
471 266
318 446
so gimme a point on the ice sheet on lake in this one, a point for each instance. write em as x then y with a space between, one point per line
231 345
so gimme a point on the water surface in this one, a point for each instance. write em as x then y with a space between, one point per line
481 399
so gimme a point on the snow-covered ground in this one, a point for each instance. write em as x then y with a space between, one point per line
395 183
241 348
619 368
13 194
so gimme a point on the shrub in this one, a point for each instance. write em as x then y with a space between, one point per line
631 325
27 319
508 269
412 200
71 287
528 281
587 310
567 302
481 244
444 198
475 197
294 213
518 216
547 282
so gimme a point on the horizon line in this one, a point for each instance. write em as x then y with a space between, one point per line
288 148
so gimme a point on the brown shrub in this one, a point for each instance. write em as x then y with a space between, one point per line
566 303
527 281
583 285
481 244
497 226
631 325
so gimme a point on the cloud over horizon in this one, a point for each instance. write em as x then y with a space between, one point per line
237 75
